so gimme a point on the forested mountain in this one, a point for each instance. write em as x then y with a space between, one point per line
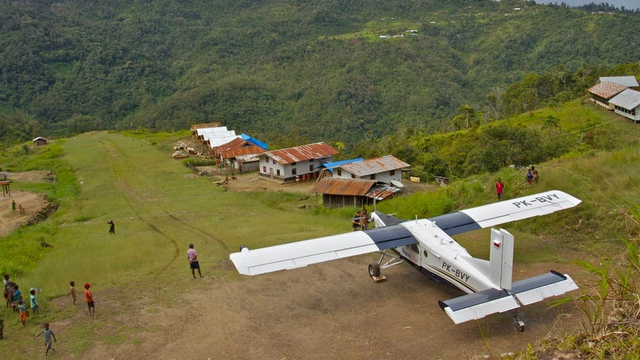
289 70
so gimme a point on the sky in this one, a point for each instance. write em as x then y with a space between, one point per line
628 4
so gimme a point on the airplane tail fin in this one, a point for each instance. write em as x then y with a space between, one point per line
501 259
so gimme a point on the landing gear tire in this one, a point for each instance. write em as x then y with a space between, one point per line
374 270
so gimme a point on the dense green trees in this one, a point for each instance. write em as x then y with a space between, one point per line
318 70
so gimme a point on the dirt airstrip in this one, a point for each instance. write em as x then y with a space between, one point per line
325 311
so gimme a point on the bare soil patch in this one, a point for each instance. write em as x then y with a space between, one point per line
32 203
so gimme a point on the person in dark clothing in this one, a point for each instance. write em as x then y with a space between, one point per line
112 227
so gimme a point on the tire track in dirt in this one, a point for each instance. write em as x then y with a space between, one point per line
152 226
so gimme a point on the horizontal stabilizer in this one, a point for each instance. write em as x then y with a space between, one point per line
531 290
382 219
478 305
303 253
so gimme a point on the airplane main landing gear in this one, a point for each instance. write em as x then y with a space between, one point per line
375 267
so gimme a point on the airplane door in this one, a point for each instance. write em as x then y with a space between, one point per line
412 253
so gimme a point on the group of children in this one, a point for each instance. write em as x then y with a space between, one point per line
13 298
20 208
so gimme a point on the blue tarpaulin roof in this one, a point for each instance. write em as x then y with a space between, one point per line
254 141
331 165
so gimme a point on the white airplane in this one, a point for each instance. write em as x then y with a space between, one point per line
428 246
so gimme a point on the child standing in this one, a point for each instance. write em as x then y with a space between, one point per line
17 294
72 291
22 310
48 333
35 307
88 297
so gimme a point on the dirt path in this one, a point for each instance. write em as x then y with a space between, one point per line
326 311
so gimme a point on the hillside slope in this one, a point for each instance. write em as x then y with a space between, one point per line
317 70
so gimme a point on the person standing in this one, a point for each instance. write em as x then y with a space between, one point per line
355 223
72 291
499 189
13 205
112 227
35 307
192 256
48 333
22 311
534 173
88 297
530 175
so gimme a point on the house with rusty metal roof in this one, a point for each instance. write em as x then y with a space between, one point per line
340 192
386 169
361 182
604 91
239 155
627 104
297 163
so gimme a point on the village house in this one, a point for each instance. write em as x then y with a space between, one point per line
240 154
604 91
339 192
209 138
296 163
358 182
386 169
627 104
39 141
194 129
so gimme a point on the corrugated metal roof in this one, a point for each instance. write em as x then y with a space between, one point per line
382 192
209 130
331 165
628 99
236 143
255 141
246 150
218 141
606 89
628 81
341 186
375 165
301 153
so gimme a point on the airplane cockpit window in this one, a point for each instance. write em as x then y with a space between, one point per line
414 248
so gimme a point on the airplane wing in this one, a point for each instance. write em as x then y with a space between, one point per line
504 212
528 291
303 253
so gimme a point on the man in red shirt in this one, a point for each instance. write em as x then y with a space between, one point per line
499 189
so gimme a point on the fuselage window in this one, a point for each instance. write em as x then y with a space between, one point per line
425 253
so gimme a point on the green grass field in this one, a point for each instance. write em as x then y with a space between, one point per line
159 206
